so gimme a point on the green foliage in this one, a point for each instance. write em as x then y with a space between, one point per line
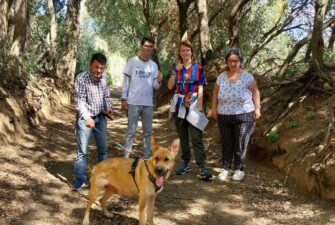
273 136
311 115
329 55
30 62
293 123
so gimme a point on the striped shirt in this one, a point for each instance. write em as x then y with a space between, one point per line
188 82
92 96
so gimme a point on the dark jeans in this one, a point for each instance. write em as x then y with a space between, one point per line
184 128
235 132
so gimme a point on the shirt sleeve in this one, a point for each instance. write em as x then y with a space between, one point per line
155 83
202 78
80 98
126 80
107 98
249 78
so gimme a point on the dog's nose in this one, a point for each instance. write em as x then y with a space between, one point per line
159 170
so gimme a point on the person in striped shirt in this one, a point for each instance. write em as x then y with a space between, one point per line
189 80
93 105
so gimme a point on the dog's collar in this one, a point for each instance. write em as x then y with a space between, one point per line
152 178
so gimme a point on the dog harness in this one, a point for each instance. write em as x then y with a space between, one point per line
150 176
132 171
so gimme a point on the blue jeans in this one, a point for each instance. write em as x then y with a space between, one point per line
146 114
83 135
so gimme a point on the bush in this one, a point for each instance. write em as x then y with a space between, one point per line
273 136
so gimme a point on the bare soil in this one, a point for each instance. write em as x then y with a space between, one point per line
36 175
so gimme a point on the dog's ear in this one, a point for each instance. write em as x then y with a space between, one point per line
174 147
154 145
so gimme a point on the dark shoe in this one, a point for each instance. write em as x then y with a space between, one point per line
184 169
205 174
79 185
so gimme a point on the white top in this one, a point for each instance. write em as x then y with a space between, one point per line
235 98
139 80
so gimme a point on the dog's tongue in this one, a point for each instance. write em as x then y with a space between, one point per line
159 181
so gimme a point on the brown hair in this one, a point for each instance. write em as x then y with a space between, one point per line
186 44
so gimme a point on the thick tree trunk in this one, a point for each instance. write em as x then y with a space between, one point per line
67 62
316 45
4 12
15 55
183 6
205 42
234 21
48 59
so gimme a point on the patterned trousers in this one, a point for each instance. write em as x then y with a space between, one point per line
235 132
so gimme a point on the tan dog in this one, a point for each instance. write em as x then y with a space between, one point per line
114 176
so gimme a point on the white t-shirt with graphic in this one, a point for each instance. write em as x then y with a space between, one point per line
235 97
139 80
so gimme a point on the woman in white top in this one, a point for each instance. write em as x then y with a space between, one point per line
236 105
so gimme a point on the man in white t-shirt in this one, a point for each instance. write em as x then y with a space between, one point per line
141 75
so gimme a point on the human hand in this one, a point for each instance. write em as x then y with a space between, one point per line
109 113
159 78
124 105
212 113
89 123
257 113
179 66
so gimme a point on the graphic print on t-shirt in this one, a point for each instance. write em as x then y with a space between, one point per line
142 73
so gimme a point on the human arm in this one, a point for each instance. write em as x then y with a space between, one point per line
200 97
125 91
213 111
158 81
256 99
107 100
171 81
80 101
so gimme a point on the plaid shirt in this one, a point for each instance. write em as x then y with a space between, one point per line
91 96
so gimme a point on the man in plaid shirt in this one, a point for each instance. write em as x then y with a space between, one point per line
92 99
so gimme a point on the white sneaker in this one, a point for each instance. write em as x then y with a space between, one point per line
238 175
224 174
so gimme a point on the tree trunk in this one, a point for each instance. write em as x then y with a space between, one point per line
316 45
48 59
15 55
234 21
298 46
332 39
183 6
67 62
205 42
4 13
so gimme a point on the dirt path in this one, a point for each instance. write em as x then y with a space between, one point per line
36 175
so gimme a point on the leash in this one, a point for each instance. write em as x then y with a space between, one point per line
119 145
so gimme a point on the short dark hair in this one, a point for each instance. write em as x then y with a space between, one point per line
101 58
234 51
149 39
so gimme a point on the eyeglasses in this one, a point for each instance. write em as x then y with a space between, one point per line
148 46
233 61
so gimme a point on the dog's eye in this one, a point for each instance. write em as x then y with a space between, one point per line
156 158
166 159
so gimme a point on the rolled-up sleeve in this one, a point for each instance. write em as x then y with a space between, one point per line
107 98
80 99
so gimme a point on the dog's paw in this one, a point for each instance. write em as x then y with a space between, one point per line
109 214
86 222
